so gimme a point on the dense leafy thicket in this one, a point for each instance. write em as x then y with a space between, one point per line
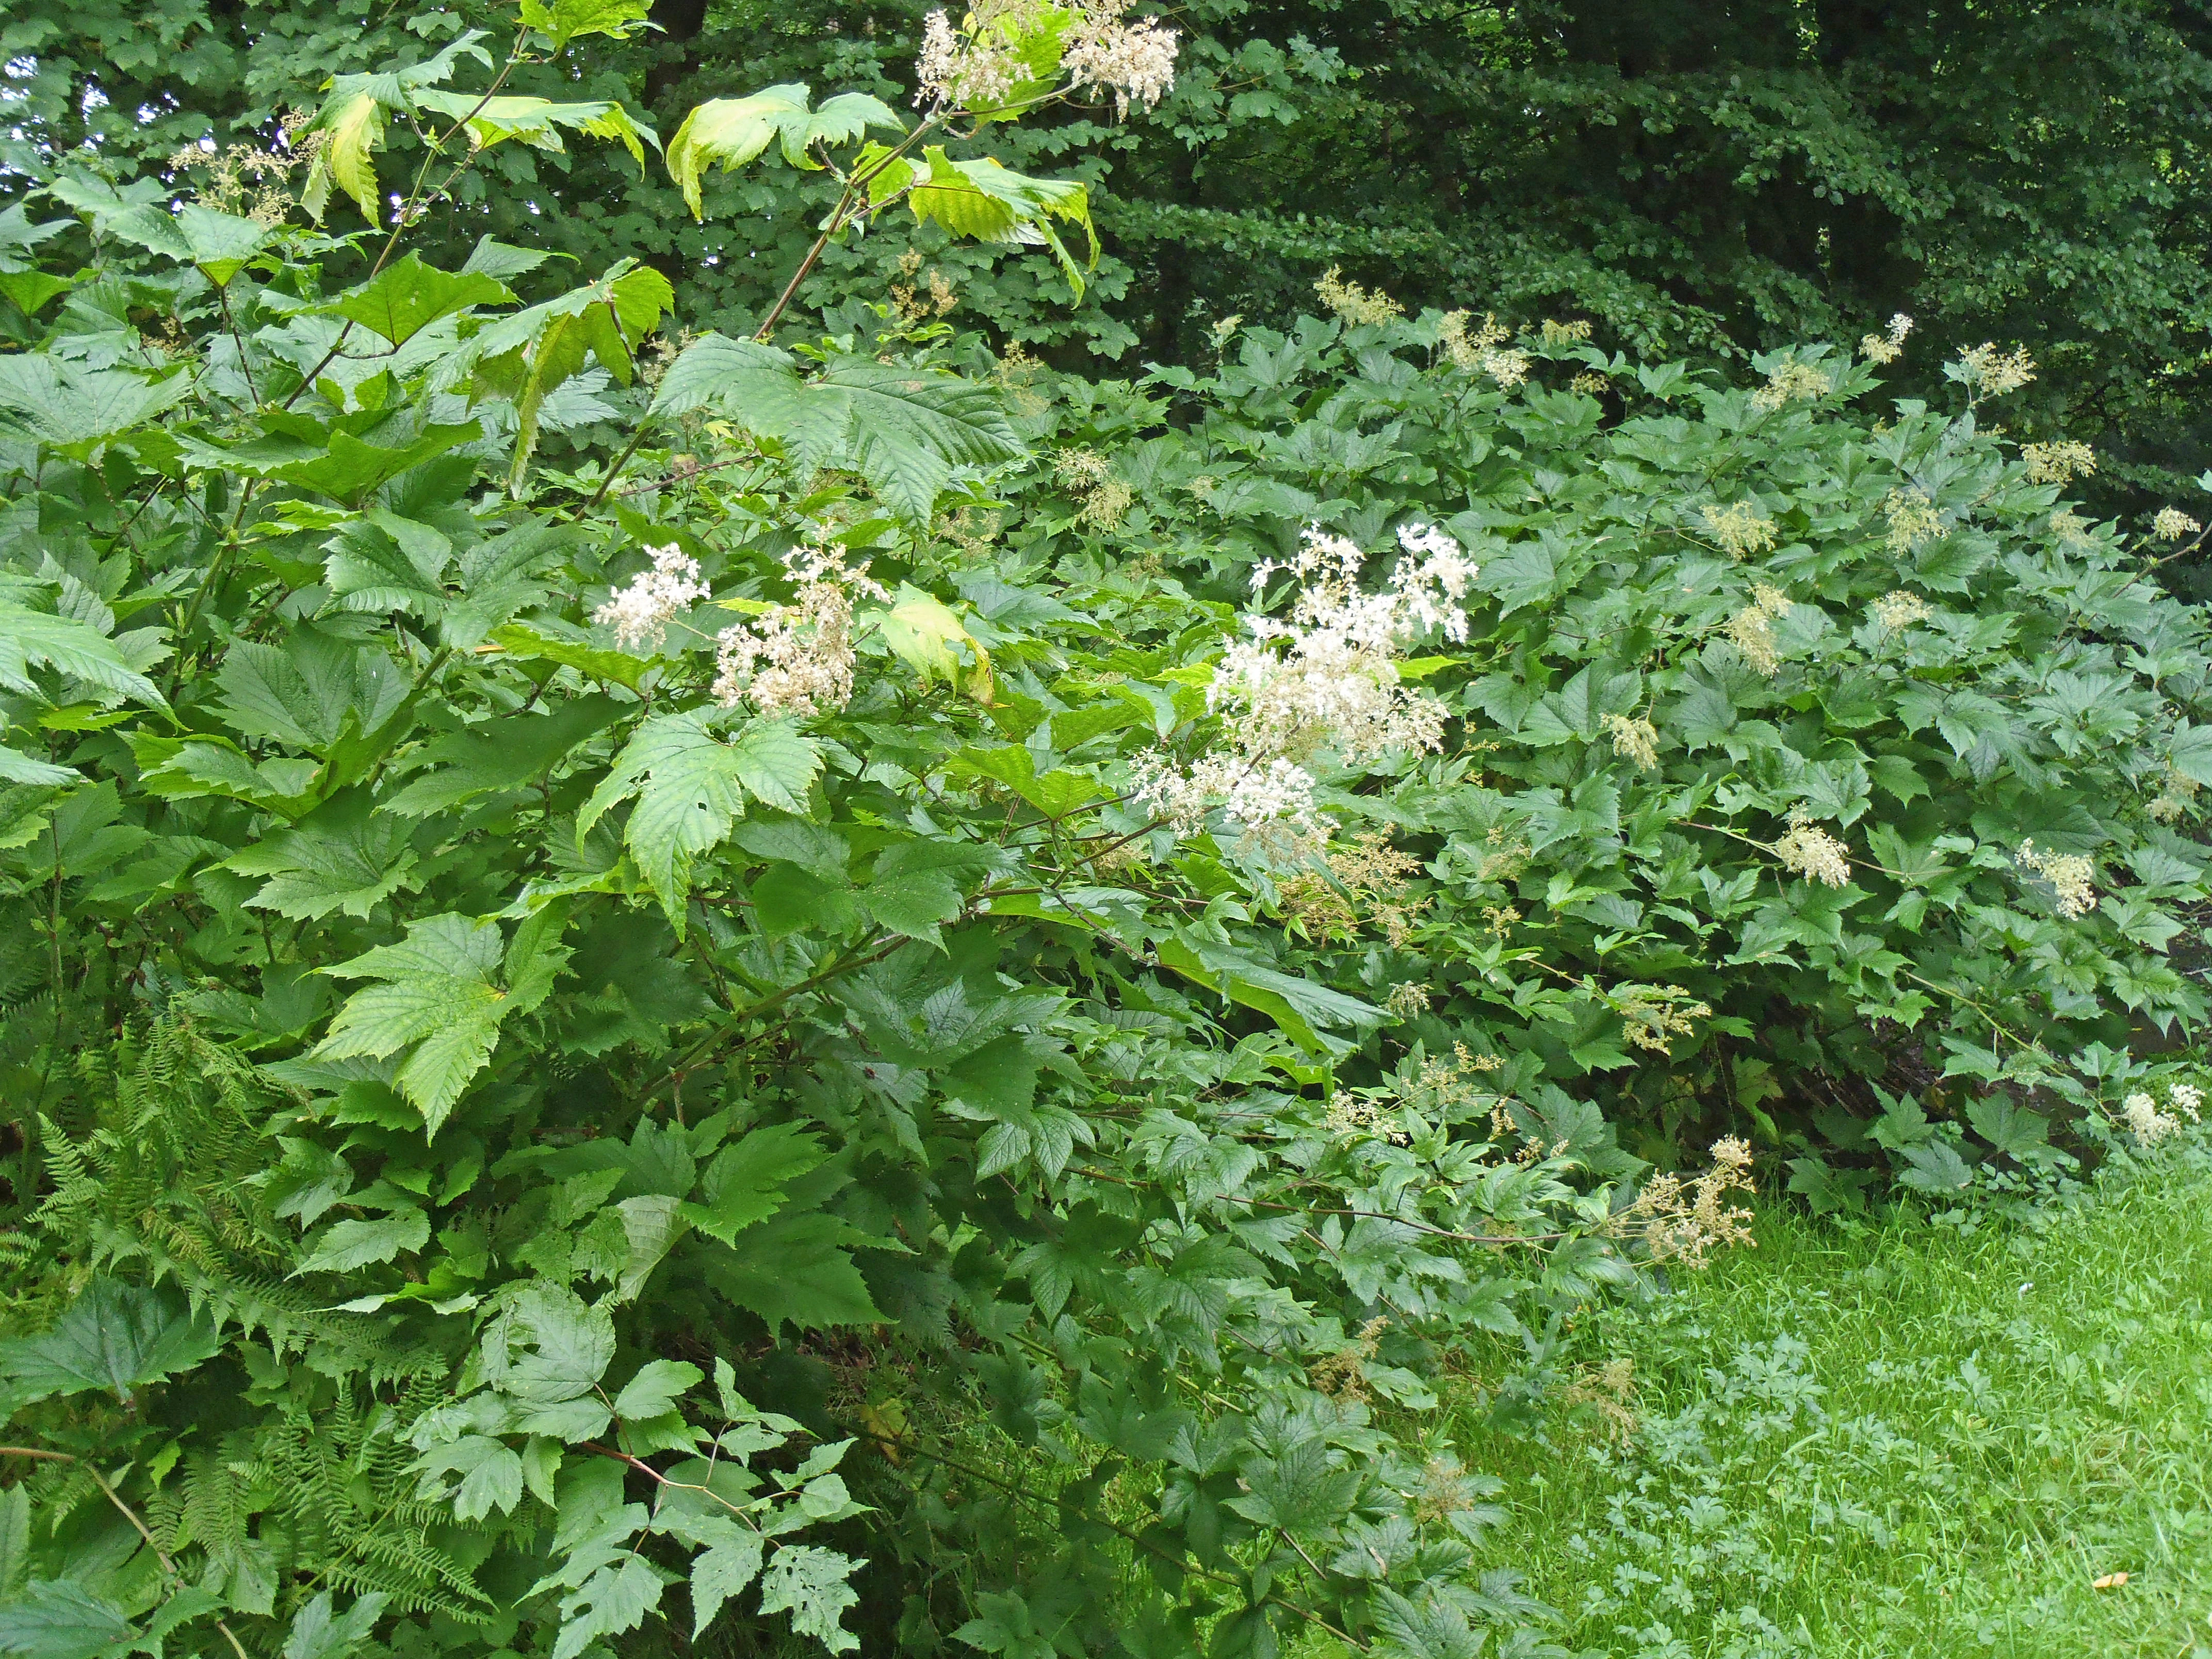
1696 178
854 991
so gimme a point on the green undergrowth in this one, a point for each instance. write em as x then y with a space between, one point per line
1890 1440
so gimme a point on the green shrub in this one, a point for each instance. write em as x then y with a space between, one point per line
1839 726
605 971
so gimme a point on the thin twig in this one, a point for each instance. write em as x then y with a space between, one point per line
130 1515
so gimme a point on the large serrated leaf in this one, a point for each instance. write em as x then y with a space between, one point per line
691 786
437 994
114 1337
407 296
729 132
904 429
31 638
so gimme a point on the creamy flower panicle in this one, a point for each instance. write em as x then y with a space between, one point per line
2145 1121
1741 529
1792 383
1354 303
640 614
1323 679
1483 349
2070 875
1813 853
2058 463
1269 803
1887 348
1751 630
1103 53
1992 372
1898 609
1635 739
1914 520
1134 62
797 658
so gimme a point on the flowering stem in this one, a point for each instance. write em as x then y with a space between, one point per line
1768 846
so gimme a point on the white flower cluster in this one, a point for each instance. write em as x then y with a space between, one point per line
2149 1126
1914 520
1886 348
797 658
2058 463
1791 383
1270 803
1355 304
2176 798
1992 372
1324 678
2069 875
2171 523
1636 740
1751 630
1742 529
961 72
1135 62
640 613
1483 350
1898 609
979 65
1813 853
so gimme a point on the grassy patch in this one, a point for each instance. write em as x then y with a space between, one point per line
1893 1441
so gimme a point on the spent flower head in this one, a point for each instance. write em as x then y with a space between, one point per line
1653 1016
1742 529
2176 798
1685 1221
2058 463
2071 528
1407 997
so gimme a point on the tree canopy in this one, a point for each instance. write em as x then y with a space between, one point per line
1695 179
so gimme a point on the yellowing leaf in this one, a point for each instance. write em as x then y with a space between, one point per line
354 126
564 20
924 633
536 121
993 204
732 131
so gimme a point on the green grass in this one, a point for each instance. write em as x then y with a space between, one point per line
1899 1440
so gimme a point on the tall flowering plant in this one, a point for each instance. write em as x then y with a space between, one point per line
684 1029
